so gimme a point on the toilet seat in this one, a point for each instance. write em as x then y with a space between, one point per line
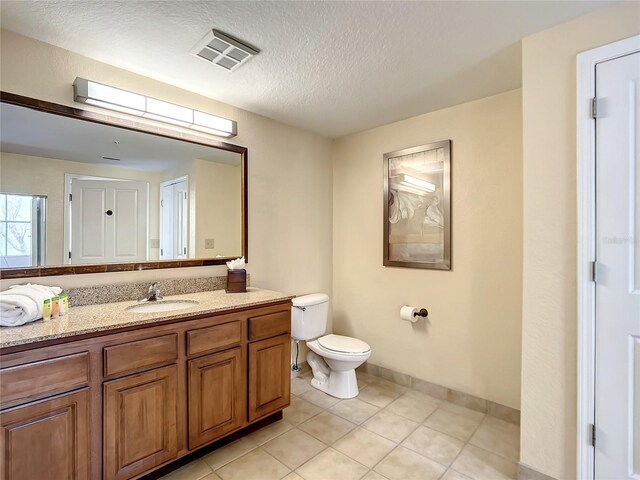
343 345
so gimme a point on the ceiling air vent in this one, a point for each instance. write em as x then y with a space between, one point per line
223 50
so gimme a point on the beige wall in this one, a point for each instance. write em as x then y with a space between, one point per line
549 279
290 172
45 176
472 342
218 209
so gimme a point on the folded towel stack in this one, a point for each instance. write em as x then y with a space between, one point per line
23 303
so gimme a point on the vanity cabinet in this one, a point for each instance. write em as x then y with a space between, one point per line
140 422
46 439
269 376
118 405
217 396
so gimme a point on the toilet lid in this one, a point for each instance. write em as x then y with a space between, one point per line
340 343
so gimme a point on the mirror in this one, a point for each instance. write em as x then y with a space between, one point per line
78 192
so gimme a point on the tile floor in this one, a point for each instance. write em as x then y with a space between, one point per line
387 432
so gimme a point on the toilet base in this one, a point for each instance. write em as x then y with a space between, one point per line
339 384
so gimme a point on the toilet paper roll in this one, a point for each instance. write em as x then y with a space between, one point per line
408 313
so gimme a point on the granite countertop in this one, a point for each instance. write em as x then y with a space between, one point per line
113 316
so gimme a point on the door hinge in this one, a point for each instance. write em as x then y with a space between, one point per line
594 107
592 430
594 272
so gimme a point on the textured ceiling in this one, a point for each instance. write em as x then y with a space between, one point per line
330 67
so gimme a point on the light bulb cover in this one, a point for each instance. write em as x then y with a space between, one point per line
119 100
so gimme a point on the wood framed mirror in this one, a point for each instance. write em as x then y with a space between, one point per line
84 192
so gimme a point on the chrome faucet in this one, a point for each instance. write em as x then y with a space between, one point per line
153 293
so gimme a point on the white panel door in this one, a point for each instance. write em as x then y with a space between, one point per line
108 221
617 415
174 200
88 222
167 249
129 222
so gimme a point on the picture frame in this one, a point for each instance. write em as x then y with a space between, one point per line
417 207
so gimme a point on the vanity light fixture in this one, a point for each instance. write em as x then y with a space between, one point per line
112 98
413 184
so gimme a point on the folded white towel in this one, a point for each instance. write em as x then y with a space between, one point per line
23 303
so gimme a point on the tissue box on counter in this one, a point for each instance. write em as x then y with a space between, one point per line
236 281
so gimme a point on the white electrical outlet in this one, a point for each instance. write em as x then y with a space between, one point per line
209 243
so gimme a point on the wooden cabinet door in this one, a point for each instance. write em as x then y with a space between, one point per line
269 376
46 439
140 422
217 396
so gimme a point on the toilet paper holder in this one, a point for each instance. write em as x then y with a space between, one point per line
421 313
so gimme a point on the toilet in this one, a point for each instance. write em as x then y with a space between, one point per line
332 358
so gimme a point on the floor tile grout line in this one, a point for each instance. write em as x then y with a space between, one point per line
233 459
404 416
294 469
487 450
466 443
308 460
379 409
350 458
390 452
341 453
494 453
439 463
397 443
418 453
279 435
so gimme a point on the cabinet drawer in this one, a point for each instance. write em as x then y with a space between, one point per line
43 378
135 356
214 338
269 325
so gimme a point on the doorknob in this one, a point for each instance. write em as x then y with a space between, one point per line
109 212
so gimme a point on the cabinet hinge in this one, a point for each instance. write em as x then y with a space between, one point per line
594 272
592 429
594 107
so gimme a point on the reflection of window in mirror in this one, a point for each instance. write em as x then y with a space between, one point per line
22 230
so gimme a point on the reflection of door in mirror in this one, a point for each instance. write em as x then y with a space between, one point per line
22 230
174 201
108 221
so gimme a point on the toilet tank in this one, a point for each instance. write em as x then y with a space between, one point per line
309 316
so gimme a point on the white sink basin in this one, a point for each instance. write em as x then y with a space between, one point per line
161 306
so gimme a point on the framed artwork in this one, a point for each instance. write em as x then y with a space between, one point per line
417 207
